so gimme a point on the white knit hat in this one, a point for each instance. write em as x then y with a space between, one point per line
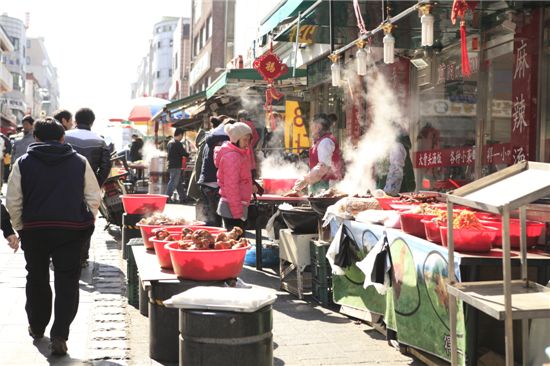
237 130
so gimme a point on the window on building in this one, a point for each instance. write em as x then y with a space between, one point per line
171 42
169 73
196 46
28 43
158 74
197 10
158 44
159 29
209 27
28 59
15 42
176 65
203 36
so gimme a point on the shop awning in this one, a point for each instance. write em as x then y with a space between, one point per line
241 78
287 9
181 104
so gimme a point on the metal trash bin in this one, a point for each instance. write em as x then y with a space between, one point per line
225 326
163 321
158 175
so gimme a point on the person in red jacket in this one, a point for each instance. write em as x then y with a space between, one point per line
234 175
325 158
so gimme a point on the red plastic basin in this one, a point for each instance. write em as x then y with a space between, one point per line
163 255
206 265
148 230
469 240
534 231
278 186
397 206
143 203
411 223
386 202
431 228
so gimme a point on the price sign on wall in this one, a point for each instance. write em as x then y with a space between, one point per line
296 137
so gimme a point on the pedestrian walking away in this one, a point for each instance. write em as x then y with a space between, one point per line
92 147
64 117
176 152
52 198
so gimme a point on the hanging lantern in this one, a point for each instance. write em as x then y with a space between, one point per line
361 58
389 45
427 21
335 70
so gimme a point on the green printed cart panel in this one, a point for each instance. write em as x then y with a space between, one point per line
417 305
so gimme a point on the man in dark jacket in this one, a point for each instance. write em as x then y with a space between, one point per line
208 179
92 147
176 152
52 198
136 148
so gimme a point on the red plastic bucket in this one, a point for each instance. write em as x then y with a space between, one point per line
411 223
431 228
148 230
206 265
278 186
163 255
143 203
534 231
385 202
470 240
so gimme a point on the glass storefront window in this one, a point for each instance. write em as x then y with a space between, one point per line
545 125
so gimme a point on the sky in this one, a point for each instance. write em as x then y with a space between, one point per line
95 45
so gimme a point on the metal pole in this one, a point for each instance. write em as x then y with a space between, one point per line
330 35
507 285
452 280
523 249
296 45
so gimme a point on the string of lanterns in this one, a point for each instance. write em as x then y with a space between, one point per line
364 57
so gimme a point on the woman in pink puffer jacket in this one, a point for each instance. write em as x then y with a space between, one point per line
234 175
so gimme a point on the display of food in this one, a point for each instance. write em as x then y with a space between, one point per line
353 205
418 198
426 209
204 240
467 220
159 218
330 193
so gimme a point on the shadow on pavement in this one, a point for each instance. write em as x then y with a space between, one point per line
287 303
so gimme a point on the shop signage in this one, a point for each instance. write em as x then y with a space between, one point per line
306 34
450 70
296 137
457 156
524 88
443 107
200 68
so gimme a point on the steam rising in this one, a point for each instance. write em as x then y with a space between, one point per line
150 152
275 166
385 121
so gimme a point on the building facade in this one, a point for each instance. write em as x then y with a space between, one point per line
15 62
42 74
212 42
7 119
181 57
161 48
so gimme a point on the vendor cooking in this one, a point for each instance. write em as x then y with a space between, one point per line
325 158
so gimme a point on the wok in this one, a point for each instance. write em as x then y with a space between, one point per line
320 205
301 220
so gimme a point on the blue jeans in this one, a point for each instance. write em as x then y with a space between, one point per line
176 183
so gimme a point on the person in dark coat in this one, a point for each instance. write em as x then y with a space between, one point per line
94 148
52 198
136 148
176 152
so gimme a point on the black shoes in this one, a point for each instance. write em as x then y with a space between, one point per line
34 334
58 346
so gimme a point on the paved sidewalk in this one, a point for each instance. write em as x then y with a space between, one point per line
107 331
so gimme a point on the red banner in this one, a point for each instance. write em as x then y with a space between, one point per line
524 87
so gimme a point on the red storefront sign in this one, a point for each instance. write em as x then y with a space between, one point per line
524 86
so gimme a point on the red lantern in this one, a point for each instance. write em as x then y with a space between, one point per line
270 67
460 7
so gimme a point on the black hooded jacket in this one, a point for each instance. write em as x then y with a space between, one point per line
52 183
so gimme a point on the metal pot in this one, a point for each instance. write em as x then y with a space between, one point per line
157 164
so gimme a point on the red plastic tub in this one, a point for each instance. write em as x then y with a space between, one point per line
148 230
206 265
469 240
431 228
386 202
143 203
411 223
534 231
163 255
278 186
397 206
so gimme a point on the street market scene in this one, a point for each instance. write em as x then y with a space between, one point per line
275 182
